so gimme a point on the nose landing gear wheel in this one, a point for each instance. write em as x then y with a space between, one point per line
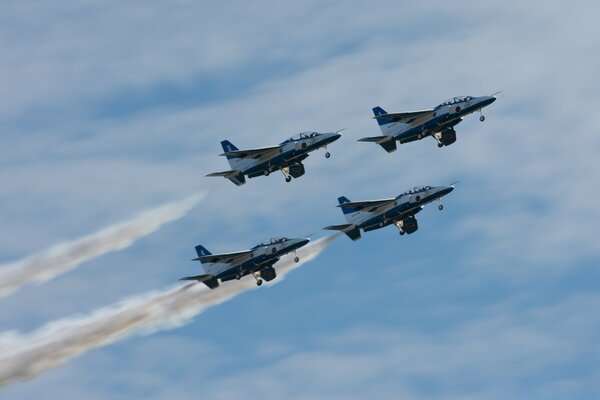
296 259
482 118
258 282
441 207
327 155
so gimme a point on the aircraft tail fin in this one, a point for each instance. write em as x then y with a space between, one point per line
208 279
351 230
377 111
227 147
232 159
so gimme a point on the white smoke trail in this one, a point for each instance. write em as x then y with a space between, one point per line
68 255
25 356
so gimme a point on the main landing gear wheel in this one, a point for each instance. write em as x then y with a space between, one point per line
327 154
267 172
441 207
482 118
238 276
288 178
296 259
440 145
401 233
258 282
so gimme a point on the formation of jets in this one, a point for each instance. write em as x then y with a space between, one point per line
287 157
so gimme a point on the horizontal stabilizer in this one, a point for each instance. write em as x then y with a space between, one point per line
387 142
349 229
234 176
208 279
375 139
225 174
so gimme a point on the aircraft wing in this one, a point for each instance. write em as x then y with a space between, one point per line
370 205
224 258
404 117
261 152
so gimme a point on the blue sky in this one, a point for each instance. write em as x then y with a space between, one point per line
110 109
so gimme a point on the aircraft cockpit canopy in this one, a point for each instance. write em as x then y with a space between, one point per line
457 99
417 189
273 240
301 136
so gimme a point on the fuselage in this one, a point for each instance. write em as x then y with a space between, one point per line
293 150
406 204
444 116
261 256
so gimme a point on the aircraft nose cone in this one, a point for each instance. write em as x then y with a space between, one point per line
444 190
334 137
487 100
303 242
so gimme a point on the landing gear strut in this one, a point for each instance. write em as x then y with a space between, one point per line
440 205
285 171
257 277
481 116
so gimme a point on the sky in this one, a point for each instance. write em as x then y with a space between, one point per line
108 109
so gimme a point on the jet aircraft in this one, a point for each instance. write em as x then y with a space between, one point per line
286 157
438 122
257 261
400 211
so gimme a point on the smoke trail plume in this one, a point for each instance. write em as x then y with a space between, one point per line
68 255
25 356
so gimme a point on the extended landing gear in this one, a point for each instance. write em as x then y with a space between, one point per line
401 232
286 172
256 276
440 205
481 116
296 259
327 154
238 276
266 172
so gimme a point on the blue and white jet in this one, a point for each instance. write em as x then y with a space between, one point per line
258 261
438 122
286 157
400 211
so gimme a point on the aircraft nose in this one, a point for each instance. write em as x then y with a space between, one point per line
444 190
487 100
303 242
334 137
